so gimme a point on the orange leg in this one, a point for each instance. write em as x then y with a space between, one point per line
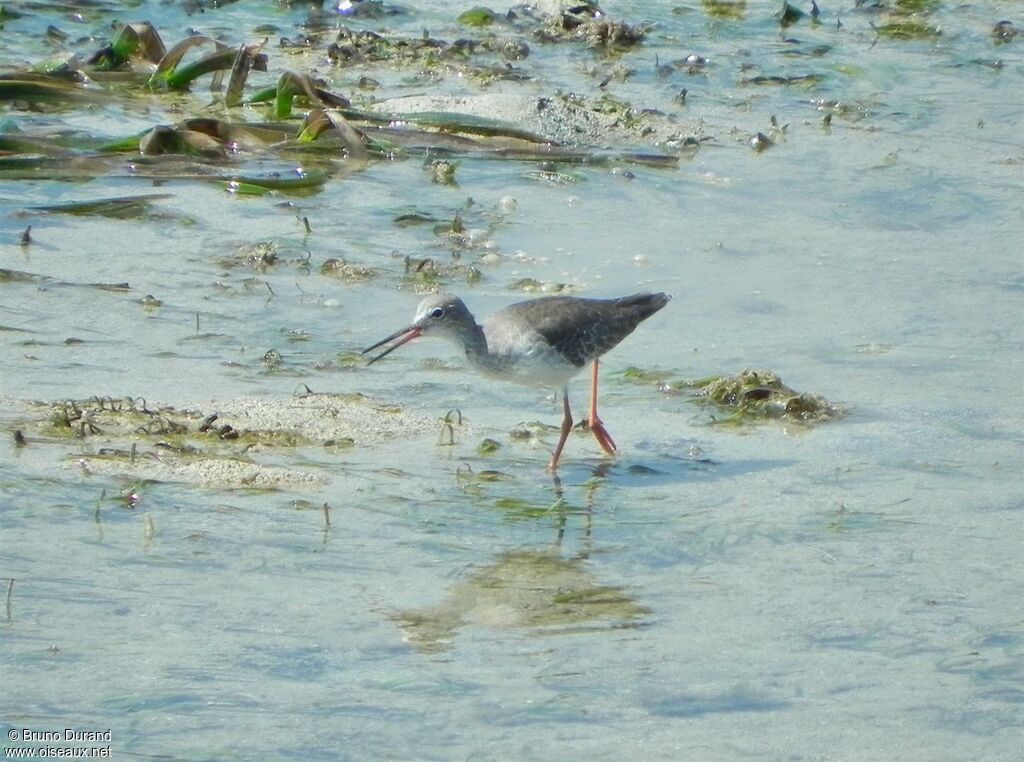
566 428
596 426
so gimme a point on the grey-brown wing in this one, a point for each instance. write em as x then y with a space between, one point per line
584 329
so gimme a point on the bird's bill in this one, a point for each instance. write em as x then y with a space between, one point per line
405 335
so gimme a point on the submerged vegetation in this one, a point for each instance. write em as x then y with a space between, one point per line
751 396
136 65
304 121
524 589
237 445
179 431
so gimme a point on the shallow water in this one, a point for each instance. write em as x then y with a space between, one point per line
845 591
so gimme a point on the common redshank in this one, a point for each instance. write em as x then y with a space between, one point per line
541 342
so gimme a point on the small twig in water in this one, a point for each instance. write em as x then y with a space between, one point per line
446 428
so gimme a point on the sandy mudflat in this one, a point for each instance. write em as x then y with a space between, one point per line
265 430
557 119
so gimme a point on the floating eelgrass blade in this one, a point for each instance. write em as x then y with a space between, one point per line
316 125
121 208
175 77
655 160
220 59
136 40
18 276
199 136
332 100
292 84
247 59
148 44
59 67
241 188
129 144
578 156
244 136
60 144
471 125
326 98
266 95
239 74
60 168
288 86
175 140
33 88
320 121
18 144
300 181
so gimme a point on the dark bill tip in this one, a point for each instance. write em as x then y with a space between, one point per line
402 336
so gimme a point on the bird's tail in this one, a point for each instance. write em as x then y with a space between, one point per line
644 305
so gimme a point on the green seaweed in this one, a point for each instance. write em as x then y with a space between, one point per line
758 395
645 375
241 188
41 89
788 14
298 181
136 40
442 171
289 86
478 16
804 80
341 270
750 396
520 509
120 208
488 447
909 28
918 6
471 125
126 423
533 286
532 589
163 140
732 10
585 22
170 74
414 218
1003 32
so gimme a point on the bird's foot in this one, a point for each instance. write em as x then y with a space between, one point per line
601 434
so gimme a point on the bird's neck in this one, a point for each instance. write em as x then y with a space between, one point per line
474 342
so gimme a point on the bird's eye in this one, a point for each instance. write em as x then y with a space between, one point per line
437 312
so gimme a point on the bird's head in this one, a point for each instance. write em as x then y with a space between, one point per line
437 315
